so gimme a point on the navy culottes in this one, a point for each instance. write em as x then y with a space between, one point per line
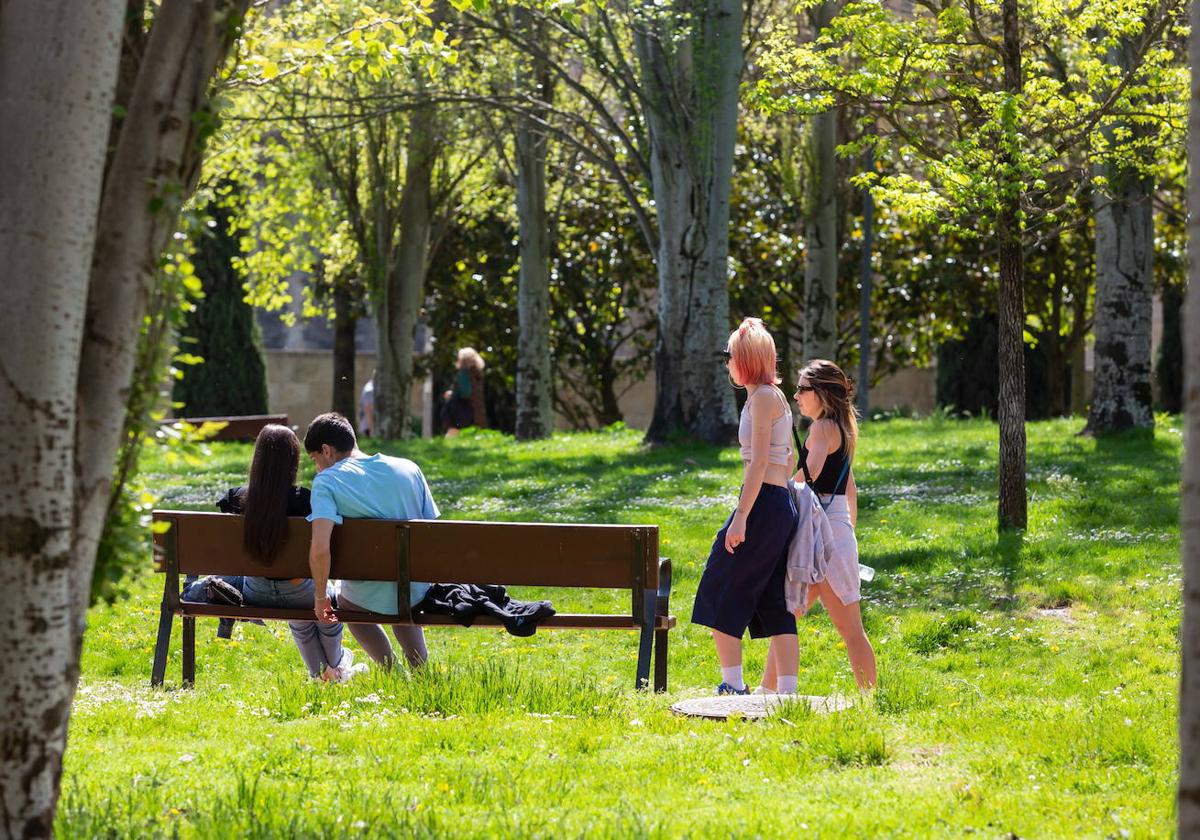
745 589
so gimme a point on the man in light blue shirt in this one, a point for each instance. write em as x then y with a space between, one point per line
353 485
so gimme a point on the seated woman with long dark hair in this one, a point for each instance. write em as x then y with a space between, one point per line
266 502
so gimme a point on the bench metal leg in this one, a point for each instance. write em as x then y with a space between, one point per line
643 666
644 644
660 660
189 652
162 646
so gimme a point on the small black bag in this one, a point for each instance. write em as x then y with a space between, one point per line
217 591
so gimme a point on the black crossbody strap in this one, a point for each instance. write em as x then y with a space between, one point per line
803 465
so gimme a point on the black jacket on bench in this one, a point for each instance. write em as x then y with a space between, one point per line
464 602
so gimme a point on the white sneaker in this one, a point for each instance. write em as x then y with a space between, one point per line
345 670
762 690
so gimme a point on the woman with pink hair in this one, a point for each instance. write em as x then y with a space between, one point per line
743 582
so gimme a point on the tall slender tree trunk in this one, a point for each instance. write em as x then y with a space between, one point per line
405 284
690 59
345 324
80 233
821 239
535 417
1122 391
1011 412
1079 384
58 71
1188 802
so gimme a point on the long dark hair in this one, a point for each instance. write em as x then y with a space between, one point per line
836 393
272 475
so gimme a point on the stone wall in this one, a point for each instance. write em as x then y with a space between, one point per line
300 383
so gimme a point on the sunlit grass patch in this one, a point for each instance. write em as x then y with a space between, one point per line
1026 685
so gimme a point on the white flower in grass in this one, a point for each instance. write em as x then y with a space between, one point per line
186 757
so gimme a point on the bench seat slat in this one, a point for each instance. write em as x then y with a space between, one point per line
561 620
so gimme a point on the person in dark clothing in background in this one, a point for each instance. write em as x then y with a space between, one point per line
464 404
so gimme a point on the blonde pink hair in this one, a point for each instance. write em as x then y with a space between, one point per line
753 353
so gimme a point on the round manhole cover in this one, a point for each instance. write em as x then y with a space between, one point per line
753 705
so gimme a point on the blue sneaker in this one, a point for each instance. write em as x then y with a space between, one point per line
725 688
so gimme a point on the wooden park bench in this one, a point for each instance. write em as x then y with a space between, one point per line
239 427
435 551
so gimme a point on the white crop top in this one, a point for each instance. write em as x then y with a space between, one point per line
781 436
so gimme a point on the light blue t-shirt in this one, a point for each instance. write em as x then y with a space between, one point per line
378 487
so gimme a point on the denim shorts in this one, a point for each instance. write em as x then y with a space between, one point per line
745 589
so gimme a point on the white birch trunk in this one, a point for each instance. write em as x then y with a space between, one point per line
690 77
1188 802
821 239
535 417
84 242
58 71
1121 386
1121 389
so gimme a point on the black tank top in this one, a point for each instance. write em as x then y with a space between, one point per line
835 468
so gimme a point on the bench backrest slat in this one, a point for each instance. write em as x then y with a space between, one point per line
441 551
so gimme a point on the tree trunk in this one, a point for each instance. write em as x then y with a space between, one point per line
1169 368
1051 340
345 323
535 418
1079 385
84 238
609 410
1011 411
821 241
405 283
1121 392
1188 801
690 79
58 71
864 309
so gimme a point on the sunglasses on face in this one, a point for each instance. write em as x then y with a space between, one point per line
726 355
804 389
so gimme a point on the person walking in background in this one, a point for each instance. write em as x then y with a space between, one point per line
743 582
825 393
266 502
366 408
464 404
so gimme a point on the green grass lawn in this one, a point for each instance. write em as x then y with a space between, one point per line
1026 686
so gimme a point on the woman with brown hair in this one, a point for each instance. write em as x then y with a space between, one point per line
266 502
825 393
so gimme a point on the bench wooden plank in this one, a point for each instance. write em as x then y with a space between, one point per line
440 551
